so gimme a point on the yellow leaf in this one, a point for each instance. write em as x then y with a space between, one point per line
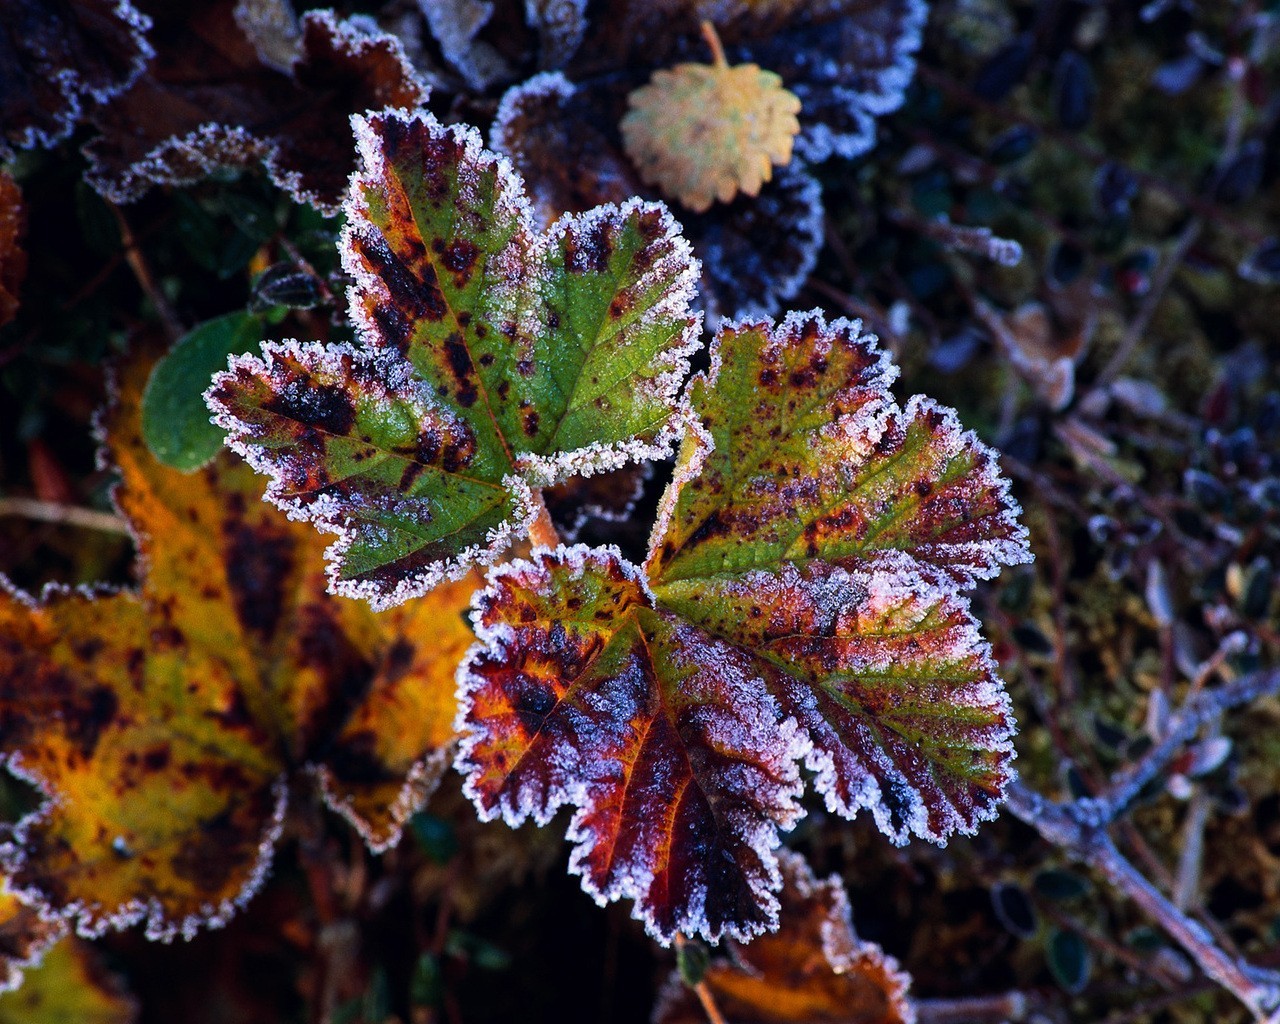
162 725
703 132
70 987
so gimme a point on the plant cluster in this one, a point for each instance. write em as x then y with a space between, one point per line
419 414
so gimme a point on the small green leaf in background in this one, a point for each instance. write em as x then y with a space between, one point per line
691 959
1061 886
175 420
1069 961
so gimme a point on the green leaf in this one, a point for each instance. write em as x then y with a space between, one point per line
495 360
1069 960
801 603
175 420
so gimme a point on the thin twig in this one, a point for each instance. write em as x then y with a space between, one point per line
1205 707
146 280
1008 1006
63 515
1079 828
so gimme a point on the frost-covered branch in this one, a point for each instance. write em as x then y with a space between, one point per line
1079 828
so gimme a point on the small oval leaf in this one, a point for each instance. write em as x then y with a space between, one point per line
1069 960
175 421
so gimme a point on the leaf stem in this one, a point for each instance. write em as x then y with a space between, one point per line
703 993
712 38
542 531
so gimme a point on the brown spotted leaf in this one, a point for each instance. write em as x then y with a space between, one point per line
801 603
664 739
813 968
705 132
496 359
209 99
58 57
161 725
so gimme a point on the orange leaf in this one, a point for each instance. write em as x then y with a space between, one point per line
813 968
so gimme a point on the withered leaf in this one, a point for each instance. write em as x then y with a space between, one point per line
209 100
161 725
24 938
813 968
58 55
801 602
705 132
495 359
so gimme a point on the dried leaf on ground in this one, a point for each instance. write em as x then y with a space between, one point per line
705 132
56 57
495 359
801 602
208 100
813 968
161 725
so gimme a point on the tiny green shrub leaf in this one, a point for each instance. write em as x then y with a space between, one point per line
175 420
495 359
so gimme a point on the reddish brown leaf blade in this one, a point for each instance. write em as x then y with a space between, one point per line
208 100
59 56
890 678
663 739
813 968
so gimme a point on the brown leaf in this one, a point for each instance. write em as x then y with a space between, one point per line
812 969
208 100
54 57
13 257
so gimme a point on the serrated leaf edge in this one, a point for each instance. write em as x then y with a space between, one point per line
761 835
89 920
215 144
511 200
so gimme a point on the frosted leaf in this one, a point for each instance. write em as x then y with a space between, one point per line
814 967
756 252
848 61
803 454
210 100
163 725
580 692
59 58
511 359
24 938
802 592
